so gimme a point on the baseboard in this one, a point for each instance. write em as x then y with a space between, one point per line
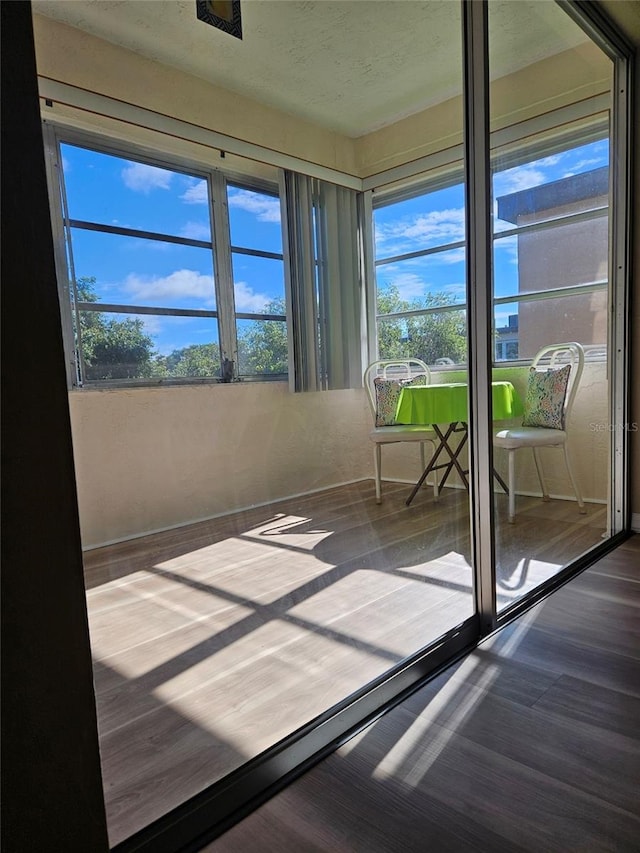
635 522
187 522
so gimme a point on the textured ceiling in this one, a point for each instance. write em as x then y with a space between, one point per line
352 66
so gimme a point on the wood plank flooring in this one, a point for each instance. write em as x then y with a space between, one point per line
214 641
531 743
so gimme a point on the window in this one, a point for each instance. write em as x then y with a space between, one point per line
169 274
550 257
256 254
420 275
551 250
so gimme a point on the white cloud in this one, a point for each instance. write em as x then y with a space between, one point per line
151 325
247 301
185 284
265 208
421 231
551 160
410 286
179 284
196 193
452 256
196 231
518 178
142 178
439 226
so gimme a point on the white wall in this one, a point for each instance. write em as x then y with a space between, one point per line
69 55
151 458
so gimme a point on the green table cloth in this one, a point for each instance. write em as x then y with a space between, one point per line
446 404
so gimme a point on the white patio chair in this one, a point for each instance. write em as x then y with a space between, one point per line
382 397
548 359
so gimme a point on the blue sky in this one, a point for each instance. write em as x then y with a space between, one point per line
132 271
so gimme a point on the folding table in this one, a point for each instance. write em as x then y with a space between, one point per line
446 406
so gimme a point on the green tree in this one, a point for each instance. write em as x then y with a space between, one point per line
429 337
112 349
193 360
262 345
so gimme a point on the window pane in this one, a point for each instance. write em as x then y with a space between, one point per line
565 179
262 347
254 220
428 220
188 346
420 282
581 318
544 259
135 346
258 284
150 273
505 332
438 338
112 190
552 254
505 266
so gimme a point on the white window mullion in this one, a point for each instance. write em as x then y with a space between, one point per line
225 296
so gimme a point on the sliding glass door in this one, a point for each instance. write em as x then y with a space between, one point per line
550 105
251 594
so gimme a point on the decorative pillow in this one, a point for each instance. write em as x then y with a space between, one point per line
544 403
388 394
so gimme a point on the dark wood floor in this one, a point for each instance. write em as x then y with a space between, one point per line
531 743
214 641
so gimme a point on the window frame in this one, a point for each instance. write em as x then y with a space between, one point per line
218 180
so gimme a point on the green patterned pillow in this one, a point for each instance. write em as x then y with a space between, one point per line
388 394
544 403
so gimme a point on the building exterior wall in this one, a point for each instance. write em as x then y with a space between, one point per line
571 254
